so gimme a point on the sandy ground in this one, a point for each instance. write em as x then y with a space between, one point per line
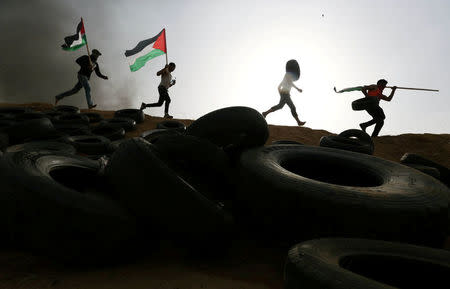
249 264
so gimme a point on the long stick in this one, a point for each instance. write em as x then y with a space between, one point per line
87 47
412 88
165 42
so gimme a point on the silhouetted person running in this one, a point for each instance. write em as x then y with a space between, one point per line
163 89
377 113
284 89
84 74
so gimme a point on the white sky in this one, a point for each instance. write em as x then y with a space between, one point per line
232 53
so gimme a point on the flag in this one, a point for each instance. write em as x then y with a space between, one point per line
77 40
146 50
356 88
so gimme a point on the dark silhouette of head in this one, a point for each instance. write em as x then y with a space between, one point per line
382 83
293 68
95 54
172 66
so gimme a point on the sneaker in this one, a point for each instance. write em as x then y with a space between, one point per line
168 116
92 106
142 106
301 123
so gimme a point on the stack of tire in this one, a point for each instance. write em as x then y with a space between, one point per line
203 185
180 182
54 200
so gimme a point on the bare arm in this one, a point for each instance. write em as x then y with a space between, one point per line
299 89
389 98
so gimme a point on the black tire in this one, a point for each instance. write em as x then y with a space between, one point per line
6 123
4 141
29 130
114 145
89 144
109 131
342 143
364 103
171 124
293 68
67 109
365 264
51 114
233 128
43 146
71 118
351 140
126 123
444 172
152 135
329 192
73 128
14 110
199 162
277 142
93 117
136 114
29 115
144 184
46 208
6 116
426 170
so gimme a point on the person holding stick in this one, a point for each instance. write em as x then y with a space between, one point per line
163 89
87 65
377 113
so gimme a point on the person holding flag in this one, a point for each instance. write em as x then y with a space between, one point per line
88 63
146 50
375 111
166 82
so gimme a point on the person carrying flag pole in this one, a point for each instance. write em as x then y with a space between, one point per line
88 63
375 111
373 94
143 52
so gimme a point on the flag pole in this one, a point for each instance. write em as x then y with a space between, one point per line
165 42
412 88
87 46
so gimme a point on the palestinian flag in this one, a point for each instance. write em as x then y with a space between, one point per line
356 88
77 40
146 50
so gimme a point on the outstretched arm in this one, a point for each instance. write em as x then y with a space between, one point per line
389 98
99 74
299 89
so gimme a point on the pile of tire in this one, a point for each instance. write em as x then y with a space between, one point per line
54 198
201 186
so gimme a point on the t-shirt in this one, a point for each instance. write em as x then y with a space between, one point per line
375 93
166 78
286 84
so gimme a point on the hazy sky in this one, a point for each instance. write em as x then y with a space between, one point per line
232 53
